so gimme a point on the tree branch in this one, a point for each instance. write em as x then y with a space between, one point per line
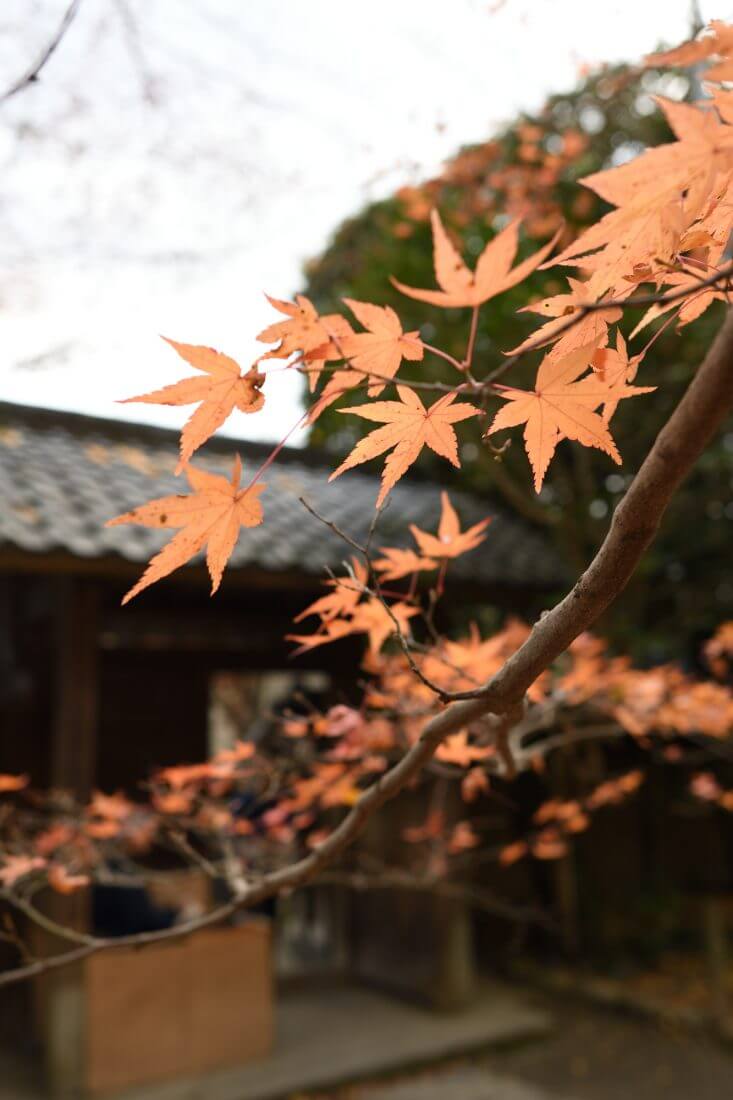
704 407
30 76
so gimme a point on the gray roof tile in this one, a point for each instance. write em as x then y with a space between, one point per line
63 475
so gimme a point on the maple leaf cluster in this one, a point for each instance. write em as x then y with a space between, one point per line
667 230
558 820
516 175
353 607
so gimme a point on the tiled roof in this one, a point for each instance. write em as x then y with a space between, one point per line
63 475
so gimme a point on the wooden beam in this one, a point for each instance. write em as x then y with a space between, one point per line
117 568
61 1000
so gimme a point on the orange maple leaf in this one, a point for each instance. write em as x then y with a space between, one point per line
347 591
316 359
493 274
716 42
212 514
382 348
369 617
173 802
456 749
223 388
330 630
13 782
304 330
688 309
408 427
562 406
479 658
513 852
559 308
613 368
373 619
317 338
450 542
378 352
549 845
659 198
398 563
241 750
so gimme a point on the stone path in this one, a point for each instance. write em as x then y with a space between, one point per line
605 1054
462 1083
343 1034
592 1053
346 1034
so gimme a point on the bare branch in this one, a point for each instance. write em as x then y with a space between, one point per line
30 76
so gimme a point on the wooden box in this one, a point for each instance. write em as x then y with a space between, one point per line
177 1009
129 1017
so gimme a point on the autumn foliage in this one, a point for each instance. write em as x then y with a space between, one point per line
660 249
667 231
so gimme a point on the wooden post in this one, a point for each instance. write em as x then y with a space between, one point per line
454 983
73 758
715 938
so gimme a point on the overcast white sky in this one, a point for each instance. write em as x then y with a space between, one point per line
179 157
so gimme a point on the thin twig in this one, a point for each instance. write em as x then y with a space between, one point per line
719 277
30 76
